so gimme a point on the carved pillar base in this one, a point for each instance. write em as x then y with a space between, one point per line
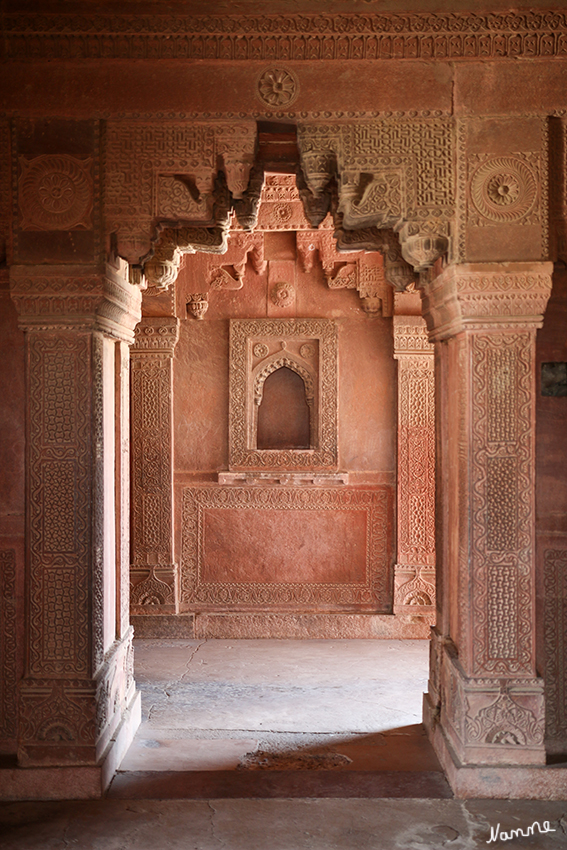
485 704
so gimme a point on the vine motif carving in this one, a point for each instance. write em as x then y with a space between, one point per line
8 644
505 722
55 713
55 193
376 504
445 37
555 642
501 502
244 335
152 591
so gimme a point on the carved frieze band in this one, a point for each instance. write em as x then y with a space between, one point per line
374 590
152 574
555 643
8 644
298 37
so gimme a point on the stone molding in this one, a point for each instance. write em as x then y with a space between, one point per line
55 298
478 296
374 592
155 335
277 38
280 338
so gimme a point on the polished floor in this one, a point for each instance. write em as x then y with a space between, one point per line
281 745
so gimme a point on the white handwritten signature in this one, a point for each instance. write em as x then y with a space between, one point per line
495 833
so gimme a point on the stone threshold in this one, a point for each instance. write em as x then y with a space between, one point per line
279 625
318 479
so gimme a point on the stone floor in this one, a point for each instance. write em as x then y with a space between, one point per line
280 745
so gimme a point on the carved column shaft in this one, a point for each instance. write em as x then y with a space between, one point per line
78 680
153 573
414 578
491 701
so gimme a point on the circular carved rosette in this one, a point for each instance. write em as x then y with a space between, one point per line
307 351
282 294
504 189
55 193
277 87
260 350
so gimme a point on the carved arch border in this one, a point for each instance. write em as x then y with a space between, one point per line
243 375
259 377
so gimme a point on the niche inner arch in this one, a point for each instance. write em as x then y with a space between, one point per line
258 349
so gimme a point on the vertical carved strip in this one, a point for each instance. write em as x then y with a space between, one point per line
123 485
8 668
59 488
555 643
415 568
502 518
152 572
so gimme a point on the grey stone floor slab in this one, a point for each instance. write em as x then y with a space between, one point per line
374 824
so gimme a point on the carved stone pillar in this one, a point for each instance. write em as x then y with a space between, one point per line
414 576
78 706
485 705
153 574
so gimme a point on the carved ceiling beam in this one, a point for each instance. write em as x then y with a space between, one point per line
394 173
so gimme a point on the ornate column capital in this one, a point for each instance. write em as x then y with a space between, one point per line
156 335
76 298
484 296
411 338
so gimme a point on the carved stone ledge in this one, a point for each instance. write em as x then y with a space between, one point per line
477 296
317 479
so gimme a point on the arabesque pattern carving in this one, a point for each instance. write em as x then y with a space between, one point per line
8 644
273 38
375 590
244 336
502 535
555 643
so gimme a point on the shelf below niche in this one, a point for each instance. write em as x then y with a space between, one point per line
296 479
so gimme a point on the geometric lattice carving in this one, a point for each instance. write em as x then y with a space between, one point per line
298 505
257 348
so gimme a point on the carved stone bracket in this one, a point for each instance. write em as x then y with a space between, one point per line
162 173
395 173
152 574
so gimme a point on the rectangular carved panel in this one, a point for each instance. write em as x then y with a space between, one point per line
263 547
60 487
501 481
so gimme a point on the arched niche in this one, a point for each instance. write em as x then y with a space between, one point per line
284 400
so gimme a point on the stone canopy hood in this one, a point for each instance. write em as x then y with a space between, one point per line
364 180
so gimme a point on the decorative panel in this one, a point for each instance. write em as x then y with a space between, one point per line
309 348
8 638
555 643
346 533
